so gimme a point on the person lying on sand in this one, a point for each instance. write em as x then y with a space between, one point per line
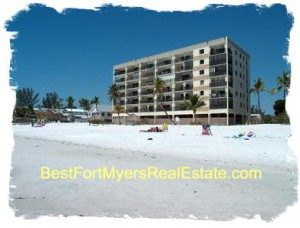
152 129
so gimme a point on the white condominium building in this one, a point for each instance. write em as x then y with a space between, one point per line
217 70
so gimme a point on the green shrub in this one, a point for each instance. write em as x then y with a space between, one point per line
95 121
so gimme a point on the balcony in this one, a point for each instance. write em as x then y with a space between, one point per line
180 107
132 69
184 88
133 86
220 94
218 83
166 71
147 109
132 78
216 51
164 63
166 107
147 66
180 68
165 99
218 70
148 83
120 81
132 102
147 92
217 60
119 72
180 78
147 101
132 94
147 75
132 109
183 58
220 103
182 97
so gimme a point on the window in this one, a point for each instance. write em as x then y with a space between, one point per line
236 62
240 65
201 72
236 73
241 104
201 61
201 93
236 93
202 82
240 95
201 51
241 85
240 75
240 55
235 52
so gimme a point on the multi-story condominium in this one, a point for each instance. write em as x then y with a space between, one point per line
217 70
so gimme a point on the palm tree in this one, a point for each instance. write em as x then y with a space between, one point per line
193 104
119 109
159 88
257 88
26 97
84 103
95 100
52 101
283 83
70 102
113 93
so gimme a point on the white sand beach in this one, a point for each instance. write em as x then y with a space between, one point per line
65 145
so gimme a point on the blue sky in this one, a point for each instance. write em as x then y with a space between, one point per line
73 53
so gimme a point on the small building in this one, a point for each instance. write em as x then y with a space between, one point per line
75 114
102 112
255 118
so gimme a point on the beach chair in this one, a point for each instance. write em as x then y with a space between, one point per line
165 127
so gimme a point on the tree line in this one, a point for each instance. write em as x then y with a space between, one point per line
27 99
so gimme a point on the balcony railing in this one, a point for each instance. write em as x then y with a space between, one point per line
133 87
148 66
150 109
216 51
217 60
183 78
147 75
132 102
219 103
183 68
121 72
133 78
131 70
183 58
164 63
147 92
181 98
168 71
167 108
181 88
147 101
121 80
218 83
132 94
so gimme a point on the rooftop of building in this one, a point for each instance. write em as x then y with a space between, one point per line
181 50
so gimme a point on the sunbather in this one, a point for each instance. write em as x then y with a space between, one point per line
152 129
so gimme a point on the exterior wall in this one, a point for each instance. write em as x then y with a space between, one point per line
187 71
